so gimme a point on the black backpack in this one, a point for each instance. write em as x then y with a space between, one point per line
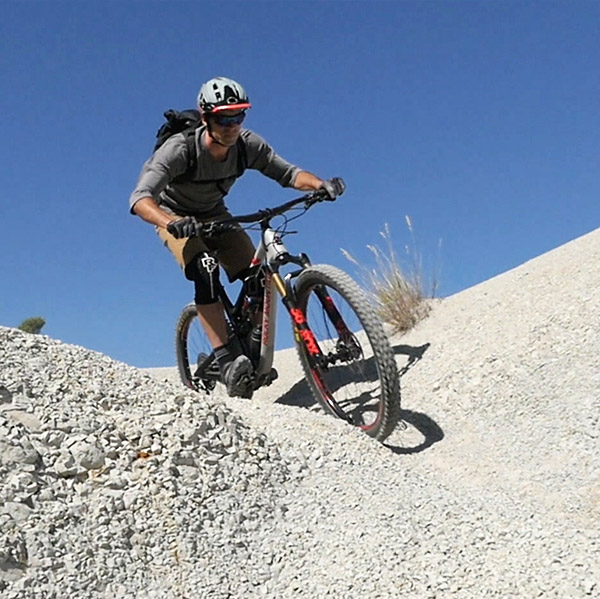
187 122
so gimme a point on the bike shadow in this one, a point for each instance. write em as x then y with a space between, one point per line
430 431
299 395
414 353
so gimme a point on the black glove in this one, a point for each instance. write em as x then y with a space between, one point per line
334 187
184 227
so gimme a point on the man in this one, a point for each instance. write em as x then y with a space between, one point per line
167 195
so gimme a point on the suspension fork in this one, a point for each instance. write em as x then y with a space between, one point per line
326 301
315 356
299 320
277 254
331 310
288 298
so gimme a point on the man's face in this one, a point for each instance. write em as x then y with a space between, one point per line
226 126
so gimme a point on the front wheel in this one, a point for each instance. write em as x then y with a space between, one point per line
357 371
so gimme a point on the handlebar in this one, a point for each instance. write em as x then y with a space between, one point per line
213 228
267 213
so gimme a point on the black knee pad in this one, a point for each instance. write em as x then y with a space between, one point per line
204 271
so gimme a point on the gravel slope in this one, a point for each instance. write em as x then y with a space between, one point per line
491 490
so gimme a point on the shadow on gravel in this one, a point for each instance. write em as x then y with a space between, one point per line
299 395
414 355
337 377
431 431
426 426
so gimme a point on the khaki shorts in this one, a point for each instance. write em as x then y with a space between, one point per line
234 250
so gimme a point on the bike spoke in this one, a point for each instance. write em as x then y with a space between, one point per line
351 375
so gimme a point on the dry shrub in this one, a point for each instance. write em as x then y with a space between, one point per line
398 293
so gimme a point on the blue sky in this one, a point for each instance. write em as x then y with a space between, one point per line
479 120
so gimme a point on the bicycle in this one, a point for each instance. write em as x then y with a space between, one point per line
343 349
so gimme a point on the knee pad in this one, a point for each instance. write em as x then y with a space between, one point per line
203 270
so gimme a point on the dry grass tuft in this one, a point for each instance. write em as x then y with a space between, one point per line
399 294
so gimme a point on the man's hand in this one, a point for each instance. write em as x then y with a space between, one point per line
334 187
184 227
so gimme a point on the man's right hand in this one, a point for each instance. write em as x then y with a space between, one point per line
184 227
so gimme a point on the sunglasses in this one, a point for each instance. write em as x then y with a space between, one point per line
229 121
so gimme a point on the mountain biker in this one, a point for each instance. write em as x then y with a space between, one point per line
166 197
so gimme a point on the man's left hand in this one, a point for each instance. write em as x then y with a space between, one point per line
334 187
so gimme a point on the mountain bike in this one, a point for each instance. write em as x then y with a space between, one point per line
343 349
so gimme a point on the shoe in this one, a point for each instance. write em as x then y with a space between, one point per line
237 377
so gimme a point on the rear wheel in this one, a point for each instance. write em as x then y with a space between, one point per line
198 369
358 370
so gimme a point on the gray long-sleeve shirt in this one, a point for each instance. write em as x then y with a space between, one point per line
200 194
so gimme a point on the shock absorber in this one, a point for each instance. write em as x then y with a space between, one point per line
254 342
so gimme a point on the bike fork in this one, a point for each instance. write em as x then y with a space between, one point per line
304 334
331 310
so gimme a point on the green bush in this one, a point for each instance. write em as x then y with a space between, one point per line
32 325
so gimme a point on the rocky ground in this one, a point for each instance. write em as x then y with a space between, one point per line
115 482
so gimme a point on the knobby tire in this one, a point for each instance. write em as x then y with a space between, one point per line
190 340
366 386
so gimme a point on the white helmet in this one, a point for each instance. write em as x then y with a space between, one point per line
221 93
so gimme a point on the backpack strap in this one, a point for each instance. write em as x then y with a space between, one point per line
192 156
242 161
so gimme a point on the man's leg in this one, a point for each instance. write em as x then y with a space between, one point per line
236 371
235 251
212 318
199 266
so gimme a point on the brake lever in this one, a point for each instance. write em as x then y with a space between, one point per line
206 230
216 228
314 197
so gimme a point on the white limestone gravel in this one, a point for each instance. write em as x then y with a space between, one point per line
116 482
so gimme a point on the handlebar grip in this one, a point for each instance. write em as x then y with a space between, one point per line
319 195
341 184
215 228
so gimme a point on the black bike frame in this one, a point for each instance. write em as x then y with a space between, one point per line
272 254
